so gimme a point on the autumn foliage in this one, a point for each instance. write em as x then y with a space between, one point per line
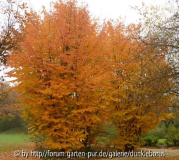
140 83
74 77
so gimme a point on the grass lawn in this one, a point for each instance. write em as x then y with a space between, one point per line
13 138
161 141
14 141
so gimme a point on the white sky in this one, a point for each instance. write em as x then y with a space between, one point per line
107 8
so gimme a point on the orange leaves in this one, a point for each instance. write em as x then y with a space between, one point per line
59 74
139 96
73 79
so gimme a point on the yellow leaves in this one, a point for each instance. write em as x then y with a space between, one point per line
102 106
169 116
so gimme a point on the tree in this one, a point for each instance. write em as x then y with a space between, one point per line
140 90
13 15
160 30
9 115
57 67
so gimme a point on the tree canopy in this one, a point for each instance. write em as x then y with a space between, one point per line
74 77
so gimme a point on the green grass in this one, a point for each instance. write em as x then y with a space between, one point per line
14 135
161 142
14 141
13 138
16 130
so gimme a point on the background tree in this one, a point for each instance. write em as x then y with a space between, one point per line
9 116
12 20
160 30
140 90
13 17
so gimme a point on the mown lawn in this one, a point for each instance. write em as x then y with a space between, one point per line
14 141
10 142
161 142
6 138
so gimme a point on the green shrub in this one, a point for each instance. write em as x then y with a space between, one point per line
158 132
150 140
176 141
172 137
172 140
169 141
155 140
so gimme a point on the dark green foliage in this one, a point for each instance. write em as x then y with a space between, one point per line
9 115
150 140
12 123
168 141
172 140
176 141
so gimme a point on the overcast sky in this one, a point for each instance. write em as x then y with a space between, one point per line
107 8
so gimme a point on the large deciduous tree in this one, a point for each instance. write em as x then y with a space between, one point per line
140 90
57 67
